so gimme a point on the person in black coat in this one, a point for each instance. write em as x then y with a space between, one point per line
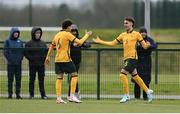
36 51
144 63
76 55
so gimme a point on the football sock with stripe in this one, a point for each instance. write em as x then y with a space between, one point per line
124 80
58 87
73 84
140 82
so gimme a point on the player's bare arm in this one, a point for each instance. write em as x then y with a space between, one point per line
47 60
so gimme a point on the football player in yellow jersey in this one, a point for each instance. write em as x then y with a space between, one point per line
63 62
129 40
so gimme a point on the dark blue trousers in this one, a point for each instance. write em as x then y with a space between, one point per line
14 70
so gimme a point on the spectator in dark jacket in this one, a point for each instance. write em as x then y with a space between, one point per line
144 63
76 55
36 55
14 59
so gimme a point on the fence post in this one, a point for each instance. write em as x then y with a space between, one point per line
30 13
156 66
98 74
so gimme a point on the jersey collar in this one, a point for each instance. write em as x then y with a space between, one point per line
130 31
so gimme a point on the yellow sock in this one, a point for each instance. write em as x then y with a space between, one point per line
124 80
73 84
58 87
140 82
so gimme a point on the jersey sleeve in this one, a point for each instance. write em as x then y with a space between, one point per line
54 41
119 38
71 37
139 37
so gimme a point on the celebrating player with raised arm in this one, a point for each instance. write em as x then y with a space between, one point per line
129 40
63 62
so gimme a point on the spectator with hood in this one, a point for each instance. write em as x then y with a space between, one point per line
36 55
76 56
144 63
14 56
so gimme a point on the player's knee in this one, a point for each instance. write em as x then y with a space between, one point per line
134 73
122 74
123 71
74 74
60 76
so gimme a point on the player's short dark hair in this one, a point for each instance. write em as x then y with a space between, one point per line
131 19
66 23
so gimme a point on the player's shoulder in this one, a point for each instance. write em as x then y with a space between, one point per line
123 33
60 34
57 34
135 32
64 33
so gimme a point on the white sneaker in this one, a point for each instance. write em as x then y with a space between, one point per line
150 95
125 99
78 95
73 98
60 101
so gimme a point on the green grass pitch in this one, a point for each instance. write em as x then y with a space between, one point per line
88 106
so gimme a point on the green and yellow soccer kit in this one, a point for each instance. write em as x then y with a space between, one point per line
63 62
62 42
129 41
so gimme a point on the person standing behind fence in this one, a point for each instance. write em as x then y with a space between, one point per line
129 40
75 54
144 63
63 62
36 56
14 60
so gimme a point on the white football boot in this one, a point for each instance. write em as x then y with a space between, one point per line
73 98
150 95
125 99
60 101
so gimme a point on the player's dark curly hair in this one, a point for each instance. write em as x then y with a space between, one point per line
66 23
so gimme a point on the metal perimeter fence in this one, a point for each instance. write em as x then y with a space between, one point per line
99 74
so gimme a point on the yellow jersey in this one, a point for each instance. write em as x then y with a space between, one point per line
62 42
129 41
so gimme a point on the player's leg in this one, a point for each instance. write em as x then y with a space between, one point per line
141 83
74 79
127 68
124 80
77 92
59 88
77 86
145 94
70 68
60 73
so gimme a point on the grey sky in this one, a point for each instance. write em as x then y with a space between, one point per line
49 3
20 3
